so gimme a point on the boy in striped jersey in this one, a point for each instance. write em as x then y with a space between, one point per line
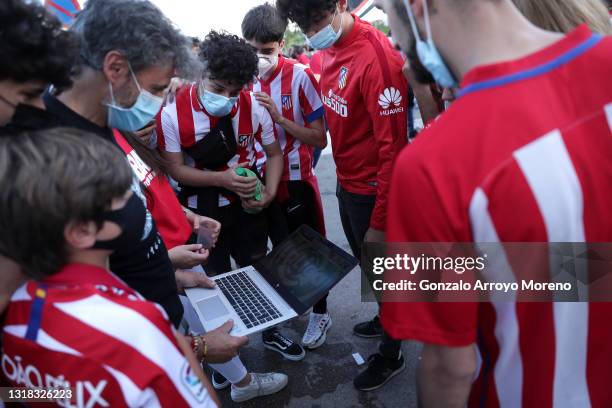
67 204
219 101
290 93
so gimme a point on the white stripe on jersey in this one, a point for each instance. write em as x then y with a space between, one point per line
299 81
509 367
169 121
554 183
21 294
42 338
608 109
135 330
134 396
295 172
550 173
16 330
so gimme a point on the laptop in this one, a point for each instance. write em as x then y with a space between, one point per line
282 285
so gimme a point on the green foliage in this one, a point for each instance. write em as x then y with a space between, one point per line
381 26
293 36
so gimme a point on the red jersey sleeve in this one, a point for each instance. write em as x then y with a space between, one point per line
385 93
421 217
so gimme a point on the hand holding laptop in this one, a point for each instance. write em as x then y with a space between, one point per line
221 346
191 279
282 285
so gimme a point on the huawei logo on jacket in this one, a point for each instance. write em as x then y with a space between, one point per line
390 101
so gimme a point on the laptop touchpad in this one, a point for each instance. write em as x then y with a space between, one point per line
212 308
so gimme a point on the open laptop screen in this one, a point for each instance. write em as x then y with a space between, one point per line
304 267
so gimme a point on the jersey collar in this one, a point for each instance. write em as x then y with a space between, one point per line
563 51
82 274
351 36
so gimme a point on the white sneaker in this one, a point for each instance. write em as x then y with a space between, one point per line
261 384
316 332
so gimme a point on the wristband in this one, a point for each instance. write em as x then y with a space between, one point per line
199 347
205 348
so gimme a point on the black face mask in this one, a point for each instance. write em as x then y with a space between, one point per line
28 117
131 218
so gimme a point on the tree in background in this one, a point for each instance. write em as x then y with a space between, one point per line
293 37
381 26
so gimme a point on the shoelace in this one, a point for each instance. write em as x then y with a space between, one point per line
261 379
310 330
285 340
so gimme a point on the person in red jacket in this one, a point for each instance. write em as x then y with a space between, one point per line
366 103
522 155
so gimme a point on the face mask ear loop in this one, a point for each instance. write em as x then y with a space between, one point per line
427 23
333 18
134 77
412 21
112 94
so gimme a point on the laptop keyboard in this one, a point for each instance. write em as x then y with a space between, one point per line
253 307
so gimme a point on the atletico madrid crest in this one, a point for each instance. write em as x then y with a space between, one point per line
342 79
286 101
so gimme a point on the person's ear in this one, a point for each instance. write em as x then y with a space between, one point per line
342 6
80 235
115 68
281 46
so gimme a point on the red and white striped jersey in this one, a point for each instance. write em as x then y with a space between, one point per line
84 329
260 158
524 155
296 94
184 122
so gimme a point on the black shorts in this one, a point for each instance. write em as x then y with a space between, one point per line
299 209
243 236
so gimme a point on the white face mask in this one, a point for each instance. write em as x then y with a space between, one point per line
266 64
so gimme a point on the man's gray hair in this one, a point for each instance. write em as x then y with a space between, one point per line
137 29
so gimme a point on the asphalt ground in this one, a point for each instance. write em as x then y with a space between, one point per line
325 377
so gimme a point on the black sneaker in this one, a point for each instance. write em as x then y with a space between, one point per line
219 382
380 370
273 340
370 329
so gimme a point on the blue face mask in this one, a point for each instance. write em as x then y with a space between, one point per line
327 36
139 115
428 53
216 105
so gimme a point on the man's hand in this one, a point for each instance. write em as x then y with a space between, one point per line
266 199
188 256
266 101
222 346
243 186
374 235
184 344
175 84
191 279
146 133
